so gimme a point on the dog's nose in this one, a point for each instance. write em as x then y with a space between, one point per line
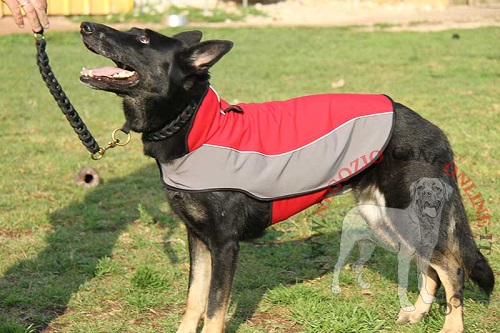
87 28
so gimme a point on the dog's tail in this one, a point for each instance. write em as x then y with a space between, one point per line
481 273
475 264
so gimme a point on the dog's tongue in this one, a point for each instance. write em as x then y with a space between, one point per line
430 211
109 71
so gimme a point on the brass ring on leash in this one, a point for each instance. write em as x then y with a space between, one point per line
118 143
112 144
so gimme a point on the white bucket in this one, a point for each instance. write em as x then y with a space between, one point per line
177 20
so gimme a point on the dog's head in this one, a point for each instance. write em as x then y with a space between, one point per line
429 195
151 68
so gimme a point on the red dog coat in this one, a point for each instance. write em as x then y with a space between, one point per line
288 152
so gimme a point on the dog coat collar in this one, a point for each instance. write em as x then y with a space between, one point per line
288 152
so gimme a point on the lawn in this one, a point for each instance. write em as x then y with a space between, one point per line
114 259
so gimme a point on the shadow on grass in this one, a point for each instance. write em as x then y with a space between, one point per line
36 291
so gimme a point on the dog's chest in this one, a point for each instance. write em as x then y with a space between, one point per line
288 152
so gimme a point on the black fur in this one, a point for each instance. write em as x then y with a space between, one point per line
173 72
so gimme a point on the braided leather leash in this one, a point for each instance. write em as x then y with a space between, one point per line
67 108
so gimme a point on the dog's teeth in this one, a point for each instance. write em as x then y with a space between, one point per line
123 75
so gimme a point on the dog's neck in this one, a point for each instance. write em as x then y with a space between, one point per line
172 127
170 141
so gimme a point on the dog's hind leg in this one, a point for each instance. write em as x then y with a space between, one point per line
199 284
429 285
366 248
452 277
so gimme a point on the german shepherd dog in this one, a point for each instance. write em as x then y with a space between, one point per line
160 78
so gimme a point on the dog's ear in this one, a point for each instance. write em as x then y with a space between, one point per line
205 54
189 38
413 188
448 190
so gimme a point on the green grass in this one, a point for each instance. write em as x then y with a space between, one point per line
114 259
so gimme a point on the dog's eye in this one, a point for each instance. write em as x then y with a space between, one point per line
143 39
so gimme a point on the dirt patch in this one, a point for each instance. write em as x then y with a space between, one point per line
372 15
402 16
275 318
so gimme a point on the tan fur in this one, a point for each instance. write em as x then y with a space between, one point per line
454 322
198 289
423 303
216 323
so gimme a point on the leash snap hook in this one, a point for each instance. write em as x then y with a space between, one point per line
115 141
97 156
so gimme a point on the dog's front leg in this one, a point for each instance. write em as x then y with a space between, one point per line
404 259
199 284
429 285
224 257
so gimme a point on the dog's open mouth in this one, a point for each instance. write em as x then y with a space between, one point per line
109 75
431 210
108 78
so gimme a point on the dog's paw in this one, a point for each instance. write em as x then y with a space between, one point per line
409 315
405 303
364 285
336 289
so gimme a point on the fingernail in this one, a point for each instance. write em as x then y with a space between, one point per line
21 26
47 26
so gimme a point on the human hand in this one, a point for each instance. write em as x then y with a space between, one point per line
36 13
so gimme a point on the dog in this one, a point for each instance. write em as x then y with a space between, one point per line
164 83
416 233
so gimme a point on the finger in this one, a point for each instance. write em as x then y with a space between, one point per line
31 15
17 15
41 12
